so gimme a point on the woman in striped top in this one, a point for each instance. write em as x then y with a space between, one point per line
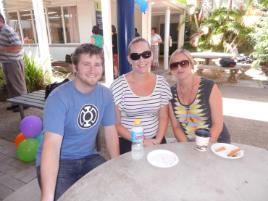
141 94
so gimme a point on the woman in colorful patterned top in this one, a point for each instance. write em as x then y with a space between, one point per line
196 102
141 94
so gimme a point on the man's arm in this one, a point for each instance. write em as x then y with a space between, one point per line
11 49
159 39
111 139
50 165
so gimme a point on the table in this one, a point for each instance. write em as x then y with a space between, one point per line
208 56
233 70
199 176
35 99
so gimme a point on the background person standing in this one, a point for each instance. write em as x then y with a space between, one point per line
11 58
155 41
115 52
96 37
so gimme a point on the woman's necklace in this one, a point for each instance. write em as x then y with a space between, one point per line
186 99
186 96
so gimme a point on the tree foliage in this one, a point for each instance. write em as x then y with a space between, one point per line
260 37
225 27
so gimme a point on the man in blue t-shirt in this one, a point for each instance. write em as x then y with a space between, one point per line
72 116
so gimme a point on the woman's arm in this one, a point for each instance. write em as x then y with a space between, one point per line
122 131
163 124
177 130
162 127
215 102
11 49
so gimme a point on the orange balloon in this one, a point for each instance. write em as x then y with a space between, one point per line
20 137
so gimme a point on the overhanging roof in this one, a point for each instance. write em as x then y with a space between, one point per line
158 6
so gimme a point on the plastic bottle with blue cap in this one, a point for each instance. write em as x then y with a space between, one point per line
137 136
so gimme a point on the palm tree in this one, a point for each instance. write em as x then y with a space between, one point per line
224 27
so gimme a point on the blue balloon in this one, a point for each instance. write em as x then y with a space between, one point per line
40 137
138 2
144 6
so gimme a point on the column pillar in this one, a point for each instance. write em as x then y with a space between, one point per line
181 30
107 41
125 20
166 39
41 31
146 22
2 8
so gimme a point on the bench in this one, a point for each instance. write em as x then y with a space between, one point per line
35 99
233 70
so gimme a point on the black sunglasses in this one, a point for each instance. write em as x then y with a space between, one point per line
137 56
175 65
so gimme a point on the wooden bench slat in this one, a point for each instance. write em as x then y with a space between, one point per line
32 96
39 105
27 100
34 99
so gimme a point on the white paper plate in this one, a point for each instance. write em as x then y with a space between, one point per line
224 153
162 158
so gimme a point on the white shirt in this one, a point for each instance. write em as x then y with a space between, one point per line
145 108
155 39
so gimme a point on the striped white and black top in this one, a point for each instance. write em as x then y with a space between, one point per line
8 38
145 108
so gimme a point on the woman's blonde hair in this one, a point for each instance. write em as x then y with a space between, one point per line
185 53
137 40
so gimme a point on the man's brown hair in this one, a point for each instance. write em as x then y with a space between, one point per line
89 49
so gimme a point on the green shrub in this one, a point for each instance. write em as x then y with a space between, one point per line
34 75
2 79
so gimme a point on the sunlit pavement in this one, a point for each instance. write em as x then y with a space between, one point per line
254 110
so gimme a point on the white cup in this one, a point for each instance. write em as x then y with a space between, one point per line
202 137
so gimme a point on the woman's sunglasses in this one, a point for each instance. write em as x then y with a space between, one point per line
175 65
137 56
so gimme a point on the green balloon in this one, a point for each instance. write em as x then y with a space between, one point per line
27 150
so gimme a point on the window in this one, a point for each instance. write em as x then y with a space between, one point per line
55 25
27 27
71 24
14 22
61 21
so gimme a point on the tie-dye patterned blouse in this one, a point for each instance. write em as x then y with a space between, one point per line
197 114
